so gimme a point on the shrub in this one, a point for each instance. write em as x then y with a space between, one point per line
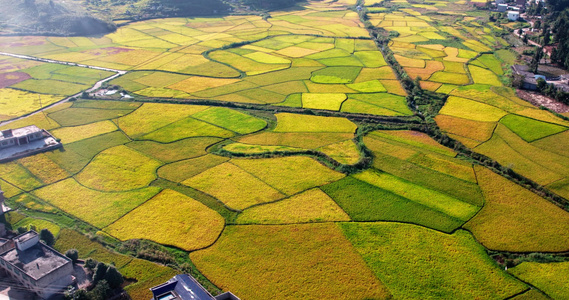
47 237
73 254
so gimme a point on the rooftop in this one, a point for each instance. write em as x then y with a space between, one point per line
36 261
181 287
18 132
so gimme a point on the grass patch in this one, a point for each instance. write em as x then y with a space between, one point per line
457 263
100 209
227 181
39 224
335 75
182 170
190 226
530 129
73 157
244 261
152 116
71 239
517 220
371 59
365 202
250 149
186 128
175 151
282 173
231 119
430 198
81 116
307 207
118 169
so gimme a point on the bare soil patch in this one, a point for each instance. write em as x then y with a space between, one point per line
541 100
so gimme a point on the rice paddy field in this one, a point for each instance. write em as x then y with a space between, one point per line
280 157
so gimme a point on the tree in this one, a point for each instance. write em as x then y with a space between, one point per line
91 264
22 229
100 272
541 84
114 277
47 237
73 254
101 291
534 64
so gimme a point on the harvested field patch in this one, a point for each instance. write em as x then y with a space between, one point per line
244 261
101 209
306 207
431 67
287 122
7 79
233 186
323 101
365 202
548 277
458 264
530 129
118 169
231 119
517 220
184 149
282 173
472 110
191 225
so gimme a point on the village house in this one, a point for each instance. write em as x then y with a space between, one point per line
185 287
20 142
35 265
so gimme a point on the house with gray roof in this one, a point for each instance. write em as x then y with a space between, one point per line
20 142
185 287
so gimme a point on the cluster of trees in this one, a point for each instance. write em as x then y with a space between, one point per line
551 91
106 278
554 21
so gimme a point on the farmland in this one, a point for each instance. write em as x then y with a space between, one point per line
321 151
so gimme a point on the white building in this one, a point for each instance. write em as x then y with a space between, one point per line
37 266
25 141
513 15
20 136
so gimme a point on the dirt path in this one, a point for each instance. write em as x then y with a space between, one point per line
541 100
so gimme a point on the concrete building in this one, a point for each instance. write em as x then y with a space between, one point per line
513 15
37 266
21 142
502 7
185 287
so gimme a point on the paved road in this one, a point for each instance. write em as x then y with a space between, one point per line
97 85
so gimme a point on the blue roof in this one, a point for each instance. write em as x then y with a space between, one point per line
185 286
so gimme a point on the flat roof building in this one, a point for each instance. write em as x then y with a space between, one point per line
37 266
185 287
21 142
